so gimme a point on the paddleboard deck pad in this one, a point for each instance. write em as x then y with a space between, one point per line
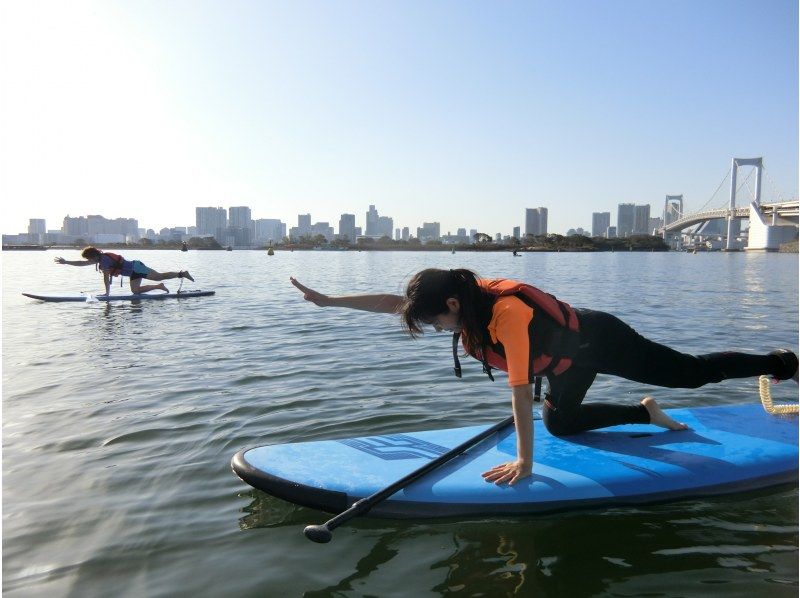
129 297
727 449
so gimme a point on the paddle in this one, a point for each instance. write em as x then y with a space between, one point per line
322 533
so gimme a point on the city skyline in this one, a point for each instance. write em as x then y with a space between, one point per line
461 114
215 220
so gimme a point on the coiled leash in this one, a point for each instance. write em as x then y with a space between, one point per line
764 383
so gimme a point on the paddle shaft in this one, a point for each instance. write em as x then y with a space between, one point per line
318 533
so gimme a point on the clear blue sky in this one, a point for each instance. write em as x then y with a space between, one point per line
460 112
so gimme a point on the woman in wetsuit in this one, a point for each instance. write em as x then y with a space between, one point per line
111 264
528 333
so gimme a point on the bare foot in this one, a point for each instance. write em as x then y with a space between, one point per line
162 287
185 274
659 418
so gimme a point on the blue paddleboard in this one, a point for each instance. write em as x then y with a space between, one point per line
727 449
129 297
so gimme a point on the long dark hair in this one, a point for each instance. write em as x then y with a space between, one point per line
91 253
426 297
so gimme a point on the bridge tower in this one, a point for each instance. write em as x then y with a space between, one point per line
673 210
733 223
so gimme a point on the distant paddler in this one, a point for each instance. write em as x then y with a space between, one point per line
112 264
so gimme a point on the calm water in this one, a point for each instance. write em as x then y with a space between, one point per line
119 422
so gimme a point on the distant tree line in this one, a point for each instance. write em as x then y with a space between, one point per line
193 243
483 242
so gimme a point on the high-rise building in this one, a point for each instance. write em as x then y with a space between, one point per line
430 231
76 227
515 234
655 224
406 233
600 223
373 222
324 229
211 221
303 228
385 225
269 230
625 217
347 227
536 221
95 228
641 220
37 229
239 217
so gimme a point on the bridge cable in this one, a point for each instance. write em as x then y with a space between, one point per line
774 186
713 195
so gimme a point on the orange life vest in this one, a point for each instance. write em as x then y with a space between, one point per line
555 330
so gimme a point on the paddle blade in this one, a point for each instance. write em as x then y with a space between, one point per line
318 533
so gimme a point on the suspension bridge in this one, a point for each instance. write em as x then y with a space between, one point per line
770 222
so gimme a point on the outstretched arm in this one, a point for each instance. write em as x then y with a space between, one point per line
387 304
511 472
61 260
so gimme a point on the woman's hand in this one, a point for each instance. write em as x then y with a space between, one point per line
311 295
59 260
510 472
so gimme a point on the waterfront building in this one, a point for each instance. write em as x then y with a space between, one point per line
347 227
373 220
406 233
304 228
515 234
74 226
324 229
37 229
237 236
600 223
268 230
211 222
641 220
397 234
536 221
385 225
460 238
430 231
176 233
625 218
94 227
239 217
304 223
655 225
472 233
611 232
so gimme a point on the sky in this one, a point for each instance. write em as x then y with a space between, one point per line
464 113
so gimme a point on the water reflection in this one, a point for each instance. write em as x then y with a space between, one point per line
580 554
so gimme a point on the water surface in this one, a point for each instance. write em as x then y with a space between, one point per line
119 422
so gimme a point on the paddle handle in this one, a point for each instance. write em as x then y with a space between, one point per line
322 533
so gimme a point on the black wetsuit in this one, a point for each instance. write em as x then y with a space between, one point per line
609 346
